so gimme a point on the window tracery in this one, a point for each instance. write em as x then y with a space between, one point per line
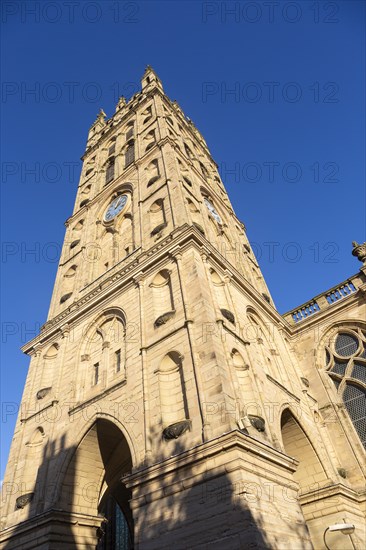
345 360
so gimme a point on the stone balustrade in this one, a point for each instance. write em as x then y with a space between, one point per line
325 300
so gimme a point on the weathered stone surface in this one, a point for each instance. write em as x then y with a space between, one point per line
262 463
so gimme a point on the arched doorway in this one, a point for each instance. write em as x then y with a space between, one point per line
310 473
92 484
310 476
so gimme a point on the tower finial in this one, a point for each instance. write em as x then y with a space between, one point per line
150 78
121 103
101 115
359 250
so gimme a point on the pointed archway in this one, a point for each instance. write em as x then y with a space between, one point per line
92 484
310 473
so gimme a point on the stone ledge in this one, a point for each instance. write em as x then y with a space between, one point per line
101 395
41 410
31 527
231 441
274 381
183 237
331 491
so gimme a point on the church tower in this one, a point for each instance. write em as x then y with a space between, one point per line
160 387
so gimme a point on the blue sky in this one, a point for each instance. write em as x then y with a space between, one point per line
276 88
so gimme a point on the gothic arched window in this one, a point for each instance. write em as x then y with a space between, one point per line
346 366
109 174
129 132
112 147
104 352
130 153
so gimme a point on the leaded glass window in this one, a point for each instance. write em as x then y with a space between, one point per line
346 345
115 533
130 153
345 361
110 170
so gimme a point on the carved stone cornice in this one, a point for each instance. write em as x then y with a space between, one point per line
234 440
31 527
37 350
184 237
331 491
77 407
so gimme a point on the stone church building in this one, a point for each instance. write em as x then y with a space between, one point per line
168 405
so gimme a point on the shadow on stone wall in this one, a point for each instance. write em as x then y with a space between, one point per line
35 530
211 513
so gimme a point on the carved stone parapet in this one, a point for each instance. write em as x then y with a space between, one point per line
176 430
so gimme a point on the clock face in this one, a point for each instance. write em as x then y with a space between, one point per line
213 211
115 207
